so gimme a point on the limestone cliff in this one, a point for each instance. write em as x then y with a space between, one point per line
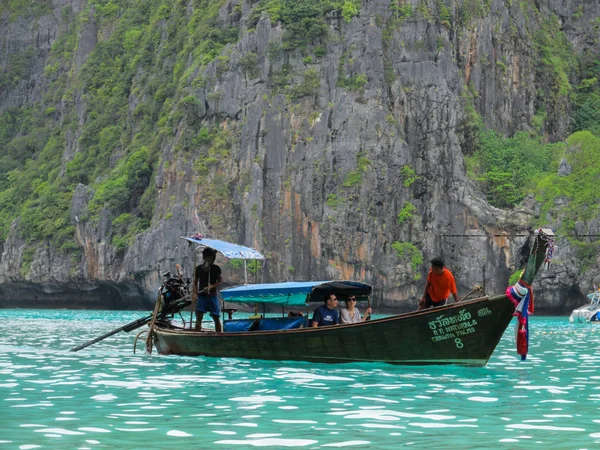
321 148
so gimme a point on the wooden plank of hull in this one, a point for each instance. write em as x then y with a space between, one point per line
466 333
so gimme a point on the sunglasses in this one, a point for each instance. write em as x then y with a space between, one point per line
352 299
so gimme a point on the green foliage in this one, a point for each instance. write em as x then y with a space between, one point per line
333 201
352 179
538 121
508 168
401 10
280 81
204 136
579 189
557 62
363 164
105 9
249 64
309 86
586 110
407 213
26 260
586 252
17 68
354 83
471 124
408 253
122 190
444 14
30 9
349 10
409 176
424 11
235 264
254 265
304 21
132 91
471 9
273 50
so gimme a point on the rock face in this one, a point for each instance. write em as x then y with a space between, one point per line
317 182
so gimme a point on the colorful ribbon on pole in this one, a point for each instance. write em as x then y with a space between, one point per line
521 295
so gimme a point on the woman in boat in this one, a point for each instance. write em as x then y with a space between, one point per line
351 314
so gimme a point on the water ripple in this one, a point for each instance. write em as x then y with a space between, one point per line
106 396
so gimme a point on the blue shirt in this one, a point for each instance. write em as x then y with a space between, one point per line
325 316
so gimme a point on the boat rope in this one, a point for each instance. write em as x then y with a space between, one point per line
476 288
136 339
150 338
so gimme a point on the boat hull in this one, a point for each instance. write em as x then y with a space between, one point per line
584 315
465 333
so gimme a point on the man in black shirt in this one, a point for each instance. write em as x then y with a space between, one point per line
208 279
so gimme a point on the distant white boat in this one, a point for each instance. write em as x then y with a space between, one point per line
587 313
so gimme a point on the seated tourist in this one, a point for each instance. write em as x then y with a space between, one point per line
351 314
256 314
326 314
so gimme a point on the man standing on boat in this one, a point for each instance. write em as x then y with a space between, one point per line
208 279
326 314
440 284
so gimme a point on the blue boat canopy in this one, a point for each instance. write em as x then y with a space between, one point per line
295 293
227 249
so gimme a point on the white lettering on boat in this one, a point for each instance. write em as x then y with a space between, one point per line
455 326
484 312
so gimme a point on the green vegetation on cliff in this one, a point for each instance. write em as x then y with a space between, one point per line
508 168
104 124
142 93
305 21
576 190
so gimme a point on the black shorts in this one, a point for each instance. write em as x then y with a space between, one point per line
430 303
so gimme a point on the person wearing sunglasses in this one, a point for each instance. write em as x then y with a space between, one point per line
351 314
326 314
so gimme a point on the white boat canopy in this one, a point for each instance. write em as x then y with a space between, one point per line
227 249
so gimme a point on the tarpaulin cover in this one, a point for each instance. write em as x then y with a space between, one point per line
268 324
294 293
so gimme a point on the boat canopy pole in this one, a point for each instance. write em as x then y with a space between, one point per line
194 292
245 272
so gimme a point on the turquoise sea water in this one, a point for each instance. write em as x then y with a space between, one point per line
105 396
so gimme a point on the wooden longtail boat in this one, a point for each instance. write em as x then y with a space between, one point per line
464 333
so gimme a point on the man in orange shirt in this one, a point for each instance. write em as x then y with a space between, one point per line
440 284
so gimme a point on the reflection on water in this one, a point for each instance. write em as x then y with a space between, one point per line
105 396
